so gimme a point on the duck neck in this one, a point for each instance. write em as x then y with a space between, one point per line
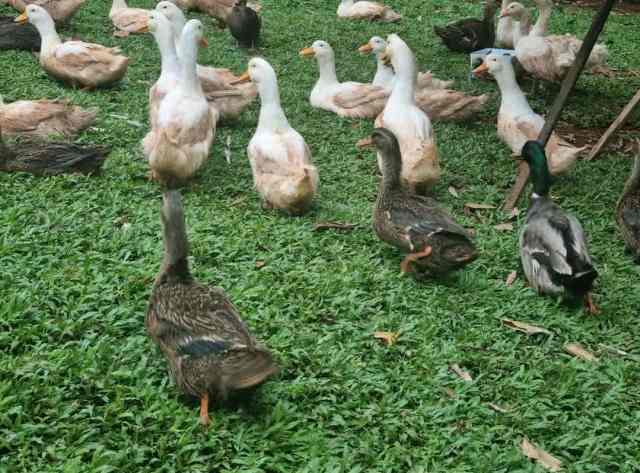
177 27
118 5
272 116
633 183
327 67
540 175
406 77
391 169
384 74
189 81
49 38
525 27
175 262
542 23
511 94
168 56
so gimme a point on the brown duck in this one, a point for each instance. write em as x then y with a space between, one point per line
628 210
470 34
207 345
417 225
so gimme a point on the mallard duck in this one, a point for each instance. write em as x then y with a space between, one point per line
470 34
229 101
411 126
365 10
549 57
553 248
517 122
127 20
51 158
347 99
75 62
208 347
60 10
628 210
244 24
433 96
280 159
186 125
14 36
416 224
44 118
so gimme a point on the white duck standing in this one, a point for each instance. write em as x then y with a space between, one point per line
517 122
283 172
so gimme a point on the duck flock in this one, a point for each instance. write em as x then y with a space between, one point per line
209 349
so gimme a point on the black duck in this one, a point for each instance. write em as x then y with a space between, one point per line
15 36
244 24
470 34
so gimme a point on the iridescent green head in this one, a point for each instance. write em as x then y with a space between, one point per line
533 154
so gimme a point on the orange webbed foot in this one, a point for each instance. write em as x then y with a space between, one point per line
405 266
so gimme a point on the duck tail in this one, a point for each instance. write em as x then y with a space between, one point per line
250 367
60 158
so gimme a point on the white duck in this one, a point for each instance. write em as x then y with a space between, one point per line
506 29
347 99
412 127
78 63
433 96
283 172
517 122
186 124
127 20
365 10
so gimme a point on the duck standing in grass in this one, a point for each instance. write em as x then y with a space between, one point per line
365 10
283 172
628 210
14 36
417 225
553 247
470 34
244 24
77 63
60 10
207 345
127 20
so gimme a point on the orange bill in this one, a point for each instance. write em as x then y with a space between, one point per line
243 79
365 49
504 13
204 43
307 52
481 69
22 19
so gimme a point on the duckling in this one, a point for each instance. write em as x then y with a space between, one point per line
14 36
366 10
417 225
470 34
347 99
208 347
75 62
553 247
280 159
628 210
60 10
44 117
127 20
244 24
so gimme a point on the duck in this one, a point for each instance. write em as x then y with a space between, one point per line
283 171
77 63
417 225
219 9
228 101
433 96
365 10
517 122
410 125
60 10
44 117
553 247
550 57
346 99
127 20
186 125
470 34
524 27
21 37
244 24
207 345
506 28
628 210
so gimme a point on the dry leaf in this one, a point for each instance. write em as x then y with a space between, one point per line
318 227
524 327
504 227
453 192
511 278
579 351
548 461
497 408
461 372
260 264
451 393
389 338
473 206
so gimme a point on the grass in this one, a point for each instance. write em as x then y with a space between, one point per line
82 388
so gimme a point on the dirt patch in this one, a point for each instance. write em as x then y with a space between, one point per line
626 7
623 141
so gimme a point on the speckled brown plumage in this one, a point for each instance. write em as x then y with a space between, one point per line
628 210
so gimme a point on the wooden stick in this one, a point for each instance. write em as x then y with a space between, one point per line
618 122
568 84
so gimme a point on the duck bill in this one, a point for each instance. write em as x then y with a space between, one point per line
22 19
365 49
243 79
365 143
504 13
204 43
481 70
307 52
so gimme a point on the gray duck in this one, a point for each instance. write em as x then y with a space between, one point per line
208 347
553 246
244 24
470 34
417 225
15 36
628 210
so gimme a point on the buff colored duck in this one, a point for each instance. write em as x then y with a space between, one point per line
127 20
517 122
365 10
60 10
347 99
283 171
506 29
433 96
186 125
75 62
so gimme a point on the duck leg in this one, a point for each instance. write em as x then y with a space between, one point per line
204 410
590 305
405 266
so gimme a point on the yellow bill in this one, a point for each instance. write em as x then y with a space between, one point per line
365 49
22 19
307 52
481 69
243 79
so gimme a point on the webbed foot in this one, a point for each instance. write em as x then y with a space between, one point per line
405 266
204 410
590 306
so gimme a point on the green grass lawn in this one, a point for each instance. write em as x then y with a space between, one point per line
82 388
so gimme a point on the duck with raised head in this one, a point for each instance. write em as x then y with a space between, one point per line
470 34
517 122
346 99
417 225
60 10
507 29
127 20
244 24
186 125
553 246
76 63
283 171
208 347
628 209
15 36
366 10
